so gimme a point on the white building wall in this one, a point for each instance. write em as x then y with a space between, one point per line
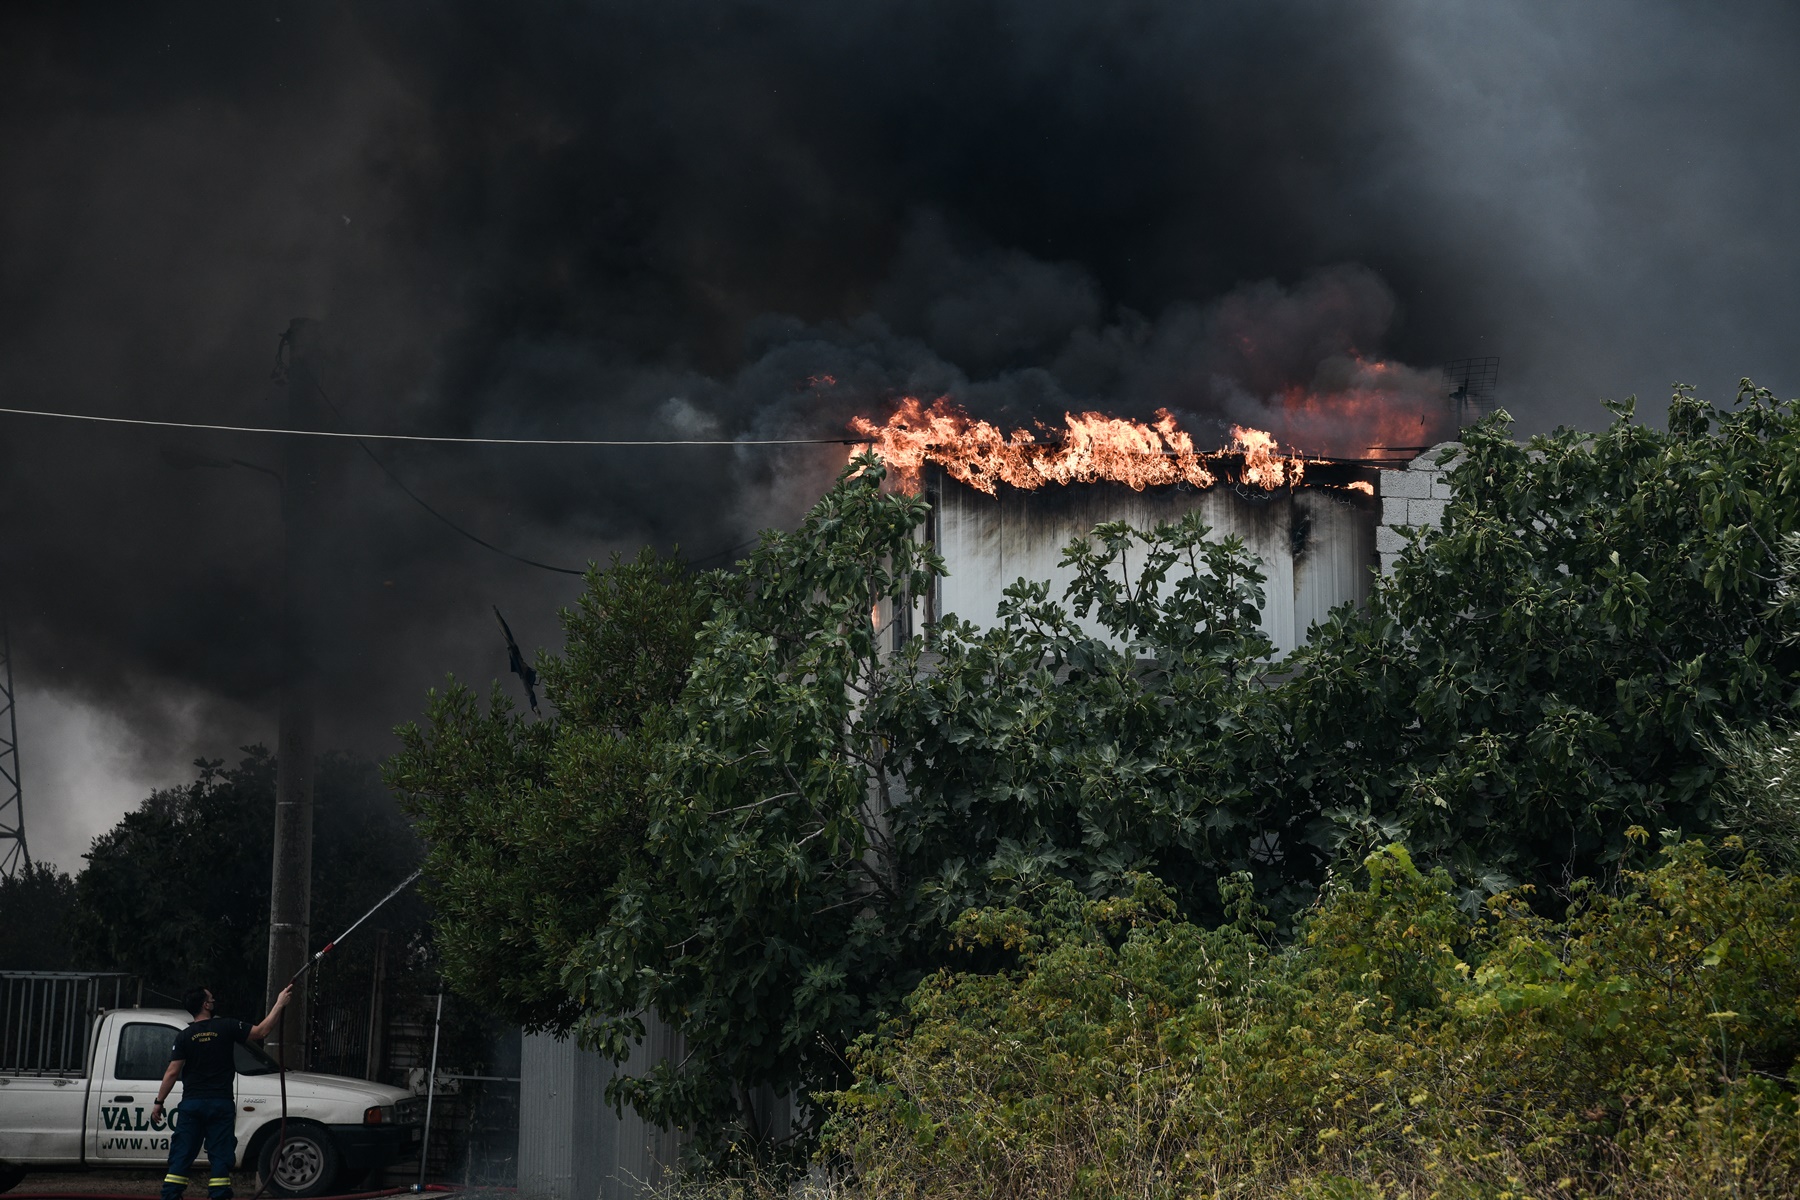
1316 545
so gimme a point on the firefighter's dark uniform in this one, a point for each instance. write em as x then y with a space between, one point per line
207 1113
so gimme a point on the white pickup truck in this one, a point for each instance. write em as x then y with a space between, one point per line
93 1110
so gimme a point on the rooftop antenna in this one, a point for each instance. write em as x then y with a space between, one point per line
1470 385
15 859
1473 382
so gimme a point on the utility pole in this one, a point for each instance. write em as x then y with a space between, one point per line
290 884
16 858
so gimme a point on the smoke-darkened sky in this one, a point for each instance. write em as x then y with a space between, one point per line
635 220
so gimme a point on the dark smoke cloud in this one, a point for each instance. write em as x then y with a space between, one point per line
632 220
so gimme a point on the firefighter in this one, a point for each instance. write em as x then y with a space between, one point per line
203 1058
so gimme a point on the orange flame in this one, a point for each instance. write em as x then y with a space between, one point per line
1090 448
1356 406
1262 466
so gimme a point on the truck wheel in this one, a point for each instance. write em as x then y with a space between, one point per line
11 1176
309 1162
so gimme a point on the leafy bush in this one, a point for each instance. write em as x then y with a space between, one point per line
755 912
37 911
1040 749
826 810
178 891
1760 797
1544 671
529 823
769 845
1644 1046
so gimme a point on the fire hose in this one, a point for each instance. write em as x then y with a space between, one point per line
327 948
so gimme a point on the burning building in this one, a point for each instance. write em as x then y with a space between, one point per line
1004 505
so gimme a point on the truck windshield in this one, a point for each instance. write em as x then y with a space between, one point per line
249 1060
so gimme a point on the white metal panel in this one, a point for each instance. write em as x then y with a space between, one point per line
640 1154
1316 546
546 1089
572 1145
1334 562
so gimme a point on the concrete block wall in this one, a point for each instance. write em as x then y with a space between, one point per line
1415 496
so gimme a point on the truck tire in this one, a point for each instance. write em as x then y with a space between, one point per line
11 1176
309 1162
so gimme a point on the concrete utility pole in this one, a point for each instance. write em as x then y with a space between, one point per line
290 884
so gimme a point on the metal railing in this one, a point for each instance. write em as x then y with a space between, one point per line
45 1017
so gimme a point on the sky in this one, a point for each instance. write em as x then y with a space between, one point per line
758 219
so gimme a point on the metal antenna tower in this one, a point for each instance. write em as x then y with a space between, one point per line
1473 382
17 856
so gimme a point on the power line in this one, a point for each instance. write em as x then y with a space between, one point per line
362 438
421 437
420 501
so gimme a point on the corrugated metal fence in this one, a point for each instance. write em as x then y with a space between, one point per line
572 1145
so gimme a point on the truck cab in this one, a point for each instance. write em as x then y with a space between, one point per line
338 1129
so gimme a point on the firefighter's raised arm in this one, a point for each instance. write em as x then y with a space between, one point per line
266 1026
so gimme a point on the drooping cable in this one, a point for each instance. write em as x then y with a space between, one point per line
420 500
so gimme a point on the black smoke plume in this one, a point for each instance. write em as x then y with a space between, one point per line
756 219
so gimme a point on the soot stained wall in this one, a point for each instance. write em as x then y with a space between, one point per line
1316 545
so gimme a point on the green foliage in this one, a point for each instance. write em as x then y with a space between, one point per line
37 908
530 823
830 809
1047 748
771 854
1644 1046
1541 673
756 915
774 859
1759 796
178 890
1534 679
